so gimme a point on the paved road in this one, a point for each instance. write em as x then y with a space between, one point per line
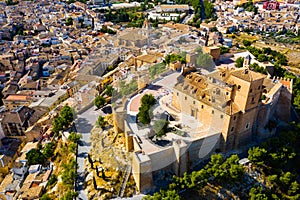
84 124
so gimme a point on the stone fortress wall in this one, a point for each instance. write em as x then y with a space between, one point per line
228 128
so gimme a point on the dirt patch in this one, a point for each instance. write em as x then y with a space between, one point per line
293 56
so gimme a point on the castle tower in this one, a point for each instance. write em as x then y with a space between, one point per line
247 61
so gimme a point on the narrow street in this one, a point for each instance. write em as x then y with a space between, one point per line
84 124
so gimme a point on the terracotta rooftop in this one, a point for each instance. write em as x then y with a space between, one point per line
181 27
247 75
286 83
32 193
178 6
16 97
29 178
147 58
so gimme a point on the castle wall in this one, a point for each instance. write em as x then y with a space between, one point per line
163 158
245 127
202 148
181 154
228 137
129 144
283 107
142 171
119 115
191 58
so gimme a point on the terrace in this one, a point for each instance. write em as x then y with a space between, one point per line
181 125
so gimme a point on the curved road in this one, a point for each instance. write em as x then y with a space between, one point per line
84 124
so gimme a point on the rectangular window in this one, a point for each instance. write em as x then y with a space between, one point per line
185 98
212 112
193 113
232 129
221 116
202 106
194 102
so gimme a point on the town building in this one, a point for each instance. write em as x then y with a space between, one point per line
12 101
16 121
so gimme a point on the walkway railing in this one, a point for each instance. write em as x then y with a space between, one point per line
124 182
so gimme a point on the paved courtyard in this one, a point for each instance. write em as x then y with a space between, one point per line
158 89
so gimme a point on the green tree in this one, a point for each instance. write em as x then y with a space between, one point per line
164 195
52 180
109 90
208 9
67 115
272 178
239 62
297 101
257 155
267 50
214 29
224 50
256 193
145 113
294 188
49 149
262 58
11 2
286 179
247 43
160 127
34 156
69 174
174 57
69 195
148 100
198 179
99 101
69 21
45 197
216 159
101 121
72 147
57 125
129 88
205 61
74 137
255 67
143 6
